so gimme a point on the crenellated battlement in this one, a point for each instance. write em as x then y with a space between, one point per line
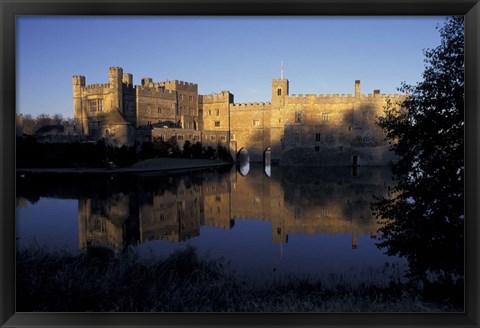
147 81
115 69
382 96
180 85
78 80
224 96
96 87
332 97
155 91
252 106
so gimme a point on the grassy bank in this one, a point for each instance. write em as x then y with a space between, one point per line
98 280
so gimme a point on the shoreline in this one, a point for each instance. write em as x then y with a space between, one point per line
150 165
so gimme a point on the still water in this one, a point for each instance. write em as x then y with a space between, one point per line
264 221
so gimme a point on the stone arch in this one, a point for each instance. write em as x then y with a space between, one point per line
267 155
243 161
242 154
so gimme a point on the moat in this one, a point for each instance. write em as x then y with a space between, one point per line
264 221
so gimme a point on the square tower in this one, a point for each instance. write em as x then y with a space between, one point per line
279 91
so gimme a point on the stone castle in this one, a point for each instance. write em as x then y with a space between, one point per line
314 129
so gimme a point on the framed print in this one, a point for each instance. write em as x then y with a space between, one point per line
198 164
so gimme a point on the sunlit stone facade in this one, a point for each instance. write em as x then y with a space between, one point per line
314 130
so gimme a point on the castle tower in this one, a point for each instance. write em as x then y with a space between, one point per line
357 88
115 78
78 82
128 79
279 91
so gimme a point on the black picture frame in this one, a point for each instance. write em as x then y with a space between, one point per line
10 9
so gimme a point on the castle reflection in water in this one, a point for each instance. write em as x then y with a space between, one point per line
175 207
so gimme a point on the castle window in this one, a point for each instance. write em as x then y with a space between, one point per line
209 112
279 92
349 128
180 137
325 117
100 105
159 110
317 149
317 137
217 112
223 138
213 137
256 122
298 117
218 199
190 98
149 110
92 105
217 124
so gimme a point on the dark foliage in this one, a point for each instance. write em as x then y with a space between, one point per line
31 125
423 216
197 150
223 153
100 280
187 150
30 153
170 148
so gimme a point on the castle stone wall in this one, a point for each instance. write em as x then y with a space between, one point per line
155 104
313 129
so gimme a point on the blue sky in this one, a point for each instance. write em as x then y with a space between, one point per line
239 54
